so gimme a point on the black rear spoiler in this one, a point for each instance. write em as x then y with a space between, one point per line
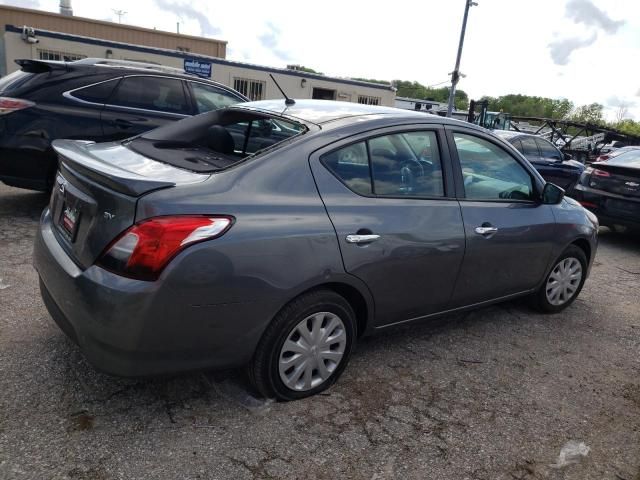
39 66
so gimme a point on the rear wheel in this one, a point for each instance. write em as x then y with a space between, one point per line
564 282
306 347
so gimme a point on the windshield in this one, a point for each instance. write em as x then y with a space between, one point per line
216 140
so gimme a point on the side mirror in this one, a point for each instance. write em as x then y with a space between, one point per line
568 156
552 194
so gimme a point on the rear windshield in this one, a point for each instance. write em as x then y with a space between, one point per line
216 140
14 80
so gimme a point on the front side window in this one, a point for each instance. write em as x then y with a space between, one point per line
547 150
209 97
489 172
151 93
398 165
529 147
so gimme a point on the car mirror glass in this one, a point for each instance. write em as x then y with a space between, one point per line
552 194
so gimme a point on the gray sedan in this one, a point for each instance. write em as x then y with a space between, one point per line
274 236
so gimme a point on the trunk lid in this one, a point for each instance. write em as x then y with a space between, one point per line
96 190
621 180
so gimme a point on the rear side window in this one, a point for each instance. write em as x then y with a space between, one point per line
14 80
210 98
398 165
151 93
98 93
351 165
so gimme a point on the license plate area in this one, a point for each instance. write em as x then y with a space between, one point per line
69 220
67 205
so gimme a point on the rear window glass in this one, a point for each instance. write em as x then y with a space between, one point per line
152 93
215 140
14 80
98 93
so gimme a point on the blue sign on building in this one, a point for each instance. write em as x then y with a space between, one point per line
197 67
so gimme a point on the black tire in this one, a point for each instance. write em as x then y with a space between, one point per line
264 371
540 300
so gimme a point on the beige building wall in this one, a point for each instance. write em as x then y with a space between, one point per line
110 31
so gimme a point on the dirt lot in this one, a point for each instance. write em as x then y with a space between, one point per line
493 394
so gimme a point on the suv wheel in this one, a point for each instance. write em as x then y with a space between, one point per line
564 282
306 347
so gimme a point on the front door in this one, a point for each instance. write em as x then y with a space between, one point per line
390 198
508 231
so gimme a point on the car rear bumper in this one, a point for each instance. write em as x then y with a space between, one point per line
134 328
611 209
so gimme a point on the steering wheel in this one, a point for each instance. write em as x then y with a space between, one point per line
410 170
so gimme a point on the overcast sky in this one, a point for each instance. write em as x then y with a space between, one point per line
583 50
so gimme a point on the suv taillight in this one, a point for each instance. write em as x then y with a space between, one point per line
142 251
10 105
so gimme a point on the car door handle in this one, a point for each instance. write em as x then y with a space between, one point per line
359 239
120 123
485 230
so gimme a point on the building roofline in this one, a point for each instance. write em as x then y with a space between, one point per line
214 60
110 24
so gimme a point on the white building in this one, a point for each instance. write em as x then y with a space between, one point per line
50 36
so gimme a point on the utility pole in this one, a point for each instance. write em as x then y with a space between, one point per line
120 14
455 75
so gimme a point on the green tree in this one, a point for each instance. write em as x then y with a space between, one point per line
383 82
591 113
628 126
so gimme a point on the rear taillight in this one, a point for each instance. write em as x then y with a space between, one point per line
588 204
600 173
144 250
10 105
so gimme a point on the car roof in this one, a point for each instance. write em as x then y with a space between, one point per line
511 134
320 112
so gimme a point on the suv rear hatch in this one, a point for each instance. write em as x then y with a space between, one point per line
96 190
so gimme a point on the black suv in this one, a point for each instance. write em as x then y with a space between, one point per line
91 99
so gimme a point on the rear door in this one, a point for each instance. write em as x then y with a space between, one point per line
389 195
509 234
144 102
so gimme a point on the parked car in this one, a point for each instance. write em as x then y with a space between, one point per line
184 248
90 99
613 153
554 166
611 190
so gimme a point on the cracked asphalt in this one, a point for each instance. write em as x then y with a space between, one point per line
491 394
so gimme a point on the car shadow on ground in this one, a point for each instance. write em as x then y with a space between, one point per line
627 242
22 204
173 397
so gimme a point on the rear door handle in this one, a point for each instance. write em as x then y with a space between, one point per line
360 239
485 230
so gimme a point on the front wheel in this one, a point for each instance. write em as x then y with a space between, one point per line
564 282
306 347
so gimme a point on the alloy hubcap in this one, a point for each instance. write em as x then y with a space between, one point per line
312 351
564 281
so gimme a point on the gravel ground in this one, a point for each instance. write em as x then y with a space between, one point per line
492 394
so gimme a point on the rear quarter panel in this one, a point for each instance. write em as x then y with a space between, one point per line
281 244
